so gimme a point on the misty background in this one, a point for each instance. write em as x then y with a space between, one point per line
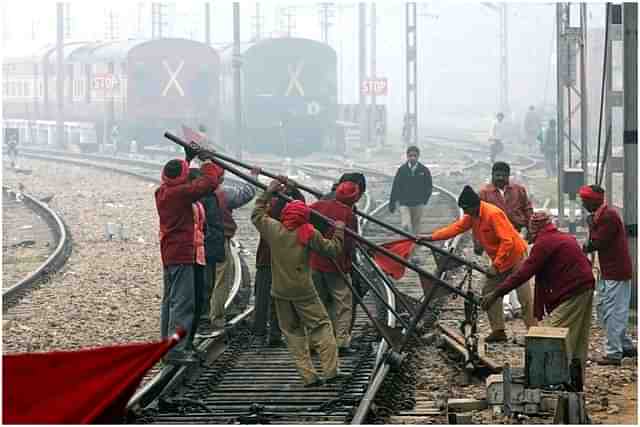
458 44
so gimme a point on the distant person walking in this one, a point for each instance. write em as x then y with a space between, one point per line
497 137
412 188
531 128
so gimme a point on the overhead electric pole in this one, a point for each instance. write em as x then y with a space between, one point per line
237 64
207 23
411 39
571 104
630 82
362 71
60 137
257 23
373 113
326 13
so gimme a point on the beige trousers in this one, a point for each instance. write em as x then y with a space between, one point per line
575 314
221 288
525 295
411 216
337 298
296 317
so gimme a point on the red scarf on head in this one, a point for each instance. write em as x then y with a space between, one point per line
180 179
348 193
537 222
587 193
295 216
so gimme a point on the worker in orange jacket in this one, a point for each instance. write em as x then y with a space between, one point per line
504 245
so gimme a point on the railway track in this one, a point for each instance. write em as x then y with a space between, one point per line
36 243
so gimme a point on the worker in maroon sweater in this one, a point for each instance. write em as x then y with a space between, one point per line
334 292
563 285
608 237
174 200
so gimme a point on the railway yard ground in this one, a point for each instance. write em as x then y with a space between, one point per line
109 290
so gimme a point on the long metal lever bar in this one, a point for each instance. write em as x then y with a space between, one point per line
435 280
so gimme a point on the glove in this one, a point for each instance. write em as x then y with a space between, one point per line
425 238
190 153
493 270
205 155
489 299
392 207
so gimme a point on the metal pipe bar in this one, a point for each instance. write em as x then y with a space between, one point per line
351 233
374 220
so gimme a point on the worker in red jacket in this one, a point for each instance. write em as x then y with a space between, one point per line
608 237
563 286
334 292
174 202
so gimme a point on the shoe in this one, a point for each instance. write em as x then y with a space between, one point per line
276 342
337 377
496 336
630 353
184 358
606 361
346 351
217 324
318 382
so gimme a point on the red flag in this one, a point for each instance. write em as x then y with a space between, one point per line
192 135
76 387
402 248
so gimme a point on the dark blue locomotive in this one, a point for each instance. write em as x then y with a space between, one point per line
289 96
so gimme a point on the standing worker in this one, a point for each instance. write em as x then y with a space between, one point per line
301 315
513 200
497 136
607 236
531 128
265 308
507 250
564 284
412 188
229 198
174 199
333 291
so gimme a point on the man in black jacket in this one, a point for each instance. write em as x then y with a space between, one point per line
213 249
412 187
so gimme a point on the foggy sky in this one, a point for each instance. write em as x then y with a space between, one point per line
458 64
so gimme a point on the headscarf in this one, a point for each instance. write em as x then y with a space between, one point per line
347 193
180 179
537 222
587 193
468 198
295 216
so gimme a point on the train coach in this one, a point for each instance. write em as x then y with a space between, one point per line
289 95
115 91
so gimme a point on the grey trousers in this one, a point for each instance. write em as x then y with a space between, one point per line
178 304
265 307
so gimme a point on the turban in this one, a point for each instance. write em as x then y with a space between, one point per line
468 198
181 178
501 166
587 193
537 222
347 193
295 216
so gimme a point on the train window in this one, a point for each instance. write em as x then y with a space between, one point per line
27 88
40 88
5 90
